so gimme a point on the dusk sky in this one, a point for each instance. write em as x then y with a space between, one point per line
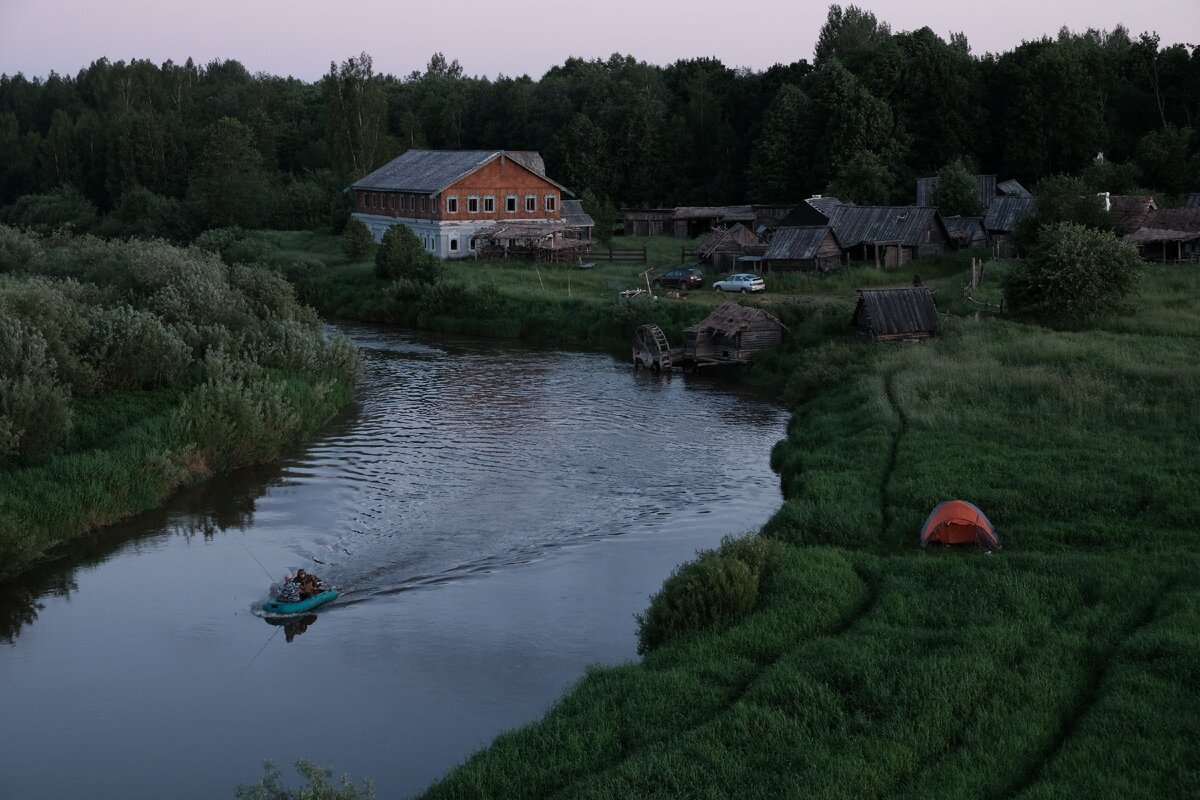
301 37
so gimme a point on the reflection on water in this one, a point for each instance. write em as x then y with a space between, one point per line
292 626
492 517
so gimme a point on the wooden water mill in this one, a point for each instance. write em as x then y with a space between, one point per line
651 349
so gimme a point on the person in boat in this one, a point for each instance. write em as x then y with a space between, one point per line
300 586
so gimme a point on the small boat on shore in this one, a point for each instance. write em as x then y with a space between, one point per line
279 608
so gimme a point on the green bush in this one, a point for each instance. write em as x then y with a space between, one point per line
400 255
1073 273
719 586
17 249
356 240
132 349
34 407
64 208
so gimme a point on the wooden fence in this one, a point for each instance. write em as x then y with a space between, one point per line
633 255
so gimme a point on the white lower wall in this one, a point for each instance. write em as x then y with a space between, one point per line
444 239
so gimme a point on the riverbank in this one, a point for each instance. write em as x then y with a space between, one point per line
1060 666
870 668
132 370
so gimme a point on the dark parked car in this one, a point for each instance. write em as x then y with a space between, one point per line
681 279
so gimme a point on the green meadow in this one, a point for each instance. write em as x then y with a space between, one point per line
849 663
828 656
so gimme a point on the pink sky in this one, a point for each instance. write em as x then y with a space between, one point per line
301 37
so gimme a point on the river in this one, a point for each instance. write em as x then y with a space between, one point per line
493 515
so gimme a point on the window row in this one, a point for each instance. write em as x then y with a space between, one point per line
408 202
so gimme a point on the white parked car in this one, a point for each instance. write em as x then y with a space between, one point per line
742 282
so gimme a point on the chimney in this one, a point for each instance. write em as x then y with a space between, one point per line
1107 200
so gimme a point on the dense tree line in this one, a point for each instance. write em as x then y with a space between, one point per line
168 150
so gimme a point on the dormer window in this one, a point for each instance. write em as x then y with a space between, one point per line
531 202
551 202
452 204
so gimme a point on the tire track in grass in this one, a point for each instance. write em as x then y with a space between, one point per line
885 499
1087 698
843 626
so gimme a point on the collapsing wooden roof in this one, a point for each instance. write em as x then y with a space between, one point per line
896 313
730 319
964 229
735 239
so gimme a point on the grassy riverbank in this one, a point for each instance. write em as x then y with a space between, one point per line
1063 666
131 370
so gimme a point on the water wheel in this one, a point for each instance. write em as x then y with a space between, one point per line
651 349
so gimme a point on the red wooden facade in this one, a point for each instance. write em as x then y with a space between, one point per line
499 190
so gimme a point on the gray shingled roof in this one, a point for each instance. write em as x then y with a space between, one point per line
891 312
573 213
797 244
905 225
430 171
1006 212
1013 188
824 204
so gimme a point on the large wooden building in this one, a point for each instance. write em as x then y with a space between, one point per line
446 197
888 236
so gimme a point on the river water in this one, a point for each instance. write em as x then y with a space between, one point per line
493 515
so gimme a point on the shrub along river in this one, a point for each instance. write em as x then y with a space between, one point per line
493 515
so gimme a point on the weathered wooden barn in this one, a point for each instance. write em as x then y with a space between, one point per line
724 246
889 236
966 233
1002 220
813 248
732 334
1168 234
905 313
649 221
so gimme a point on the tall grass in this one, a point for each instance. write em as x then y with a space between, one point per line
1063 666
135 369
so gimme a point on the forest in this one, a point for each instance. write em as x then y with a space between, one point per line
139 149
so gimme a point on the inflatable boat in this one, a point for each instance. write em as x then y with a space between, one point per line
276 607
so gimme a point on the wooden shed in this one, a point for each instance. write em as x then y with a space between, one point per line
732 334
724 246
1002 219
967 233
906 313
809 248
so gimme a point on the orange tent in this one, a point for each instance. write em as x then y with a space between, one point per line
959 522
